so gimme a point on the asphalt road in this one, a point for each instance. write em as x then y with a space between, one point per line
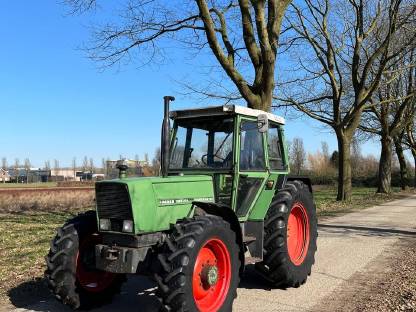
346 245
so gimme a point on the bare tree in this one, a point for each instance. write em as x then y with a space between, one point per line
56 166
343 48
395 111
4 163
4 167
356 156
355 149
17 169
91 165
321 167
27 166
297 155
325 150
398 146
47 165
104 165
85 164
242 35
48 169
156 162
410 141
74 167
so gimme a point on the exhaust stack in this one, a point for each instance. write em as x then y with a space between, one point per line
122 165
165 139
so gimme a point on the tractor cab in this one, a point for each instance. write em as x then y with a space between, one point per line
241 148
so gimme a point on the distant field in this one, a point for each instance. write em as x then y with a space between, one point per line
27 185
45 199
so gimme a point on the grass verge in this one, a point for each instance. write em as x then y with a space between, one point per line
362 197
24 241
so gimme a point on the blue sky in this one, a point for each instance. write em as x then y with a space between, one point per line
56 104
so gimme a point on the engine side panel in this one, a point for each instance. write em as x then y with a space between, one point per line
159 202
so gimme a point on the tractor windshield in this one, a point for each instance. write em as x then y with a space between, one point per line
203 143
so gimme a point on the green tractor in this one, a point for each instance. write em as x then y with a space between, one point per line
224 200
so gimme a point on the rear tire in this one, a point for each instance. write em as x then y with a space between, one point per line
290 233
199 266
70 272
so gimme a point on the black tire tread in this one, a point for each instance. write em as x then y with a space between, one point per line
276 266
176 257
60 265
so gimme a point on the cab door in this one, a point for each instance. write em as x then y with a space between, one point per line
251 167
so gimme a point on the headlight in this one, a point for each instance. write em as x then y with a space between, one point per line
105 224
128 226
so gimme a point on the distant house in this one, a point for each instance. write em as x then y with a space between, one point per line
4 175
64 174
36 175
33 175
85 175
143 163
17 175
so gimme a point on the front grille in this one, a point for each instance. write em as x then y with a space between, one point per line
113 202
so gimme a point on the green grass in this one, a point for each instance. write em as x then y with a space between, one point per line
362 197
24 241
27 185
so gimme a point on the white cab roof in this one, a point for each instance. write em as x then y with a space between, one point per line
242 110
225 109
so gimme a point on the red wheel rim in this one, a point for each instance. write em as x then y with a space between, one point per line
212 276
91 279
298 234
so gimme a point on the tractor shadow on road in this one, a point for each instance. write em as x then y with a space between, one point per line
138 294
353 230
253 280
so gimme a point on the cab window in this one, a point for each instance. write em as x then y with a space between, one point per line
274 143
251 147
204 143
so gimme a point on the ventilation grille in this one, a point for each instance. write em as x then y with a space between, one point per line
113 201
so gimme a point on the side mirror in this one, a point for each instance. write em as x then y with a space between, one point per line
262 123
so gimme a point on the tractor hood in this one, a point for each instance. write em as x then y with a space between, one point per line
155 202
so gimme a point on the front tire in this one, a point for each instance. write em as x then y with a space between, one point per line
71 273
290 234
199 266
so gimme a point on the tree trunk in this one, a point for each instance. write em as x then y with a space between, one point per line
266 99
344 167
384 170
414 158
402 161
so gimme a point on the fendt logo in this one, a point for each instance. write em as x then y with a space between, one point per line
179 201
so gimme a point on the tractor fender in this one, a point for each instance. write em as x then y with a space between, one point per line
228 215
305 179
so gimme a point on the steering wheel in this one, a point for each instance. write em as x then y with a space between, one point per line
204 159
223 159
